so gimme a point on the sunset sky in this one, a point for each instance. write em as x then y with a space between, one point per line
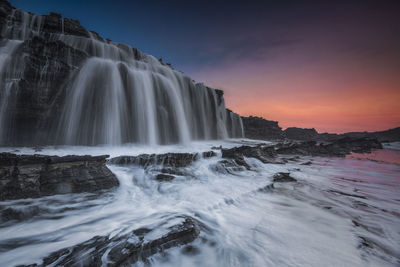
332 65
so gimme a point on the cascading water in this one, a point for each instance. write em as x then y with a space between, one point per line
97 91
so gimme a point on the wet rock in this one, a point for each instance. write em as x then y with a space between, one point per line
190 250
13 214
239 159
125 249
267 188
175 160
164 177
265 154
283 177
173 171
229 166
209 154
38 98
168 159
31 176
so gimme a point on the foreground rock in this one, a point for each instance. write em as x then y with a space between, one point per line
31 176
123 250
175 160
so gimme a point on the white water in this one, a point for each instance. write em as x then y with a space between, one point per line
117 95
296 224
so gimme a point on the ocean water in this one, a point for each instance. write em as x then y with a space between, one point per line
340 212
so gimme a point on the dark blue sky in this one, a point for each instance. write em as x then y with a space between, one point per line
272 58
193 33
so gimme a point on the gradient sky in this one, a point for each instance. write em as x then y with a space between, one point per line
332 65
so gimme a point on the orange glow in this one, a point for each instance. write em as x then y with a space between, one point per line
331 99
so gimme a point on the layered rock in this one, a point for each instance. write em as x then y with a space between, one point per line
265 154
175 160
164 167
123 250
276 153
31 176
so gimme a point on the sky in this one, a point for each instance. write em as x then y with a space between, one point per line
331 65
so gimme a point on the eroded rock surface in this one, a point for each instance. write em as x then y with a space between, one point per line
265 154
175 160
123 250
31 176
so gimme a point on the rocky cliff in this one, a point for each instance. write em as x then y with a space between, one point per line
63 84
261 129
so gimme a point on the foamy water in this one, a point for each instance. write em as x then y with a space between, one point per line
341 212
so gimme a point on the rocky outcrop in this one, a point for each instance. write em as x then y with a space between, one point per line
304 134
123 250
271 154
163 167
339 148
265 154
175 160
31 176
261 129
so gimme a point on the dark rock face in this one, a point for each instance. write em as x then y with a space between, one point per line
283 177
31 176
37 100
340 147
123 250
49 60
261 129
295 133
175 160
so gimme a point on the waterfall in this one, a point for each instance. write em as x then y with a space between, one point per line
85 90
